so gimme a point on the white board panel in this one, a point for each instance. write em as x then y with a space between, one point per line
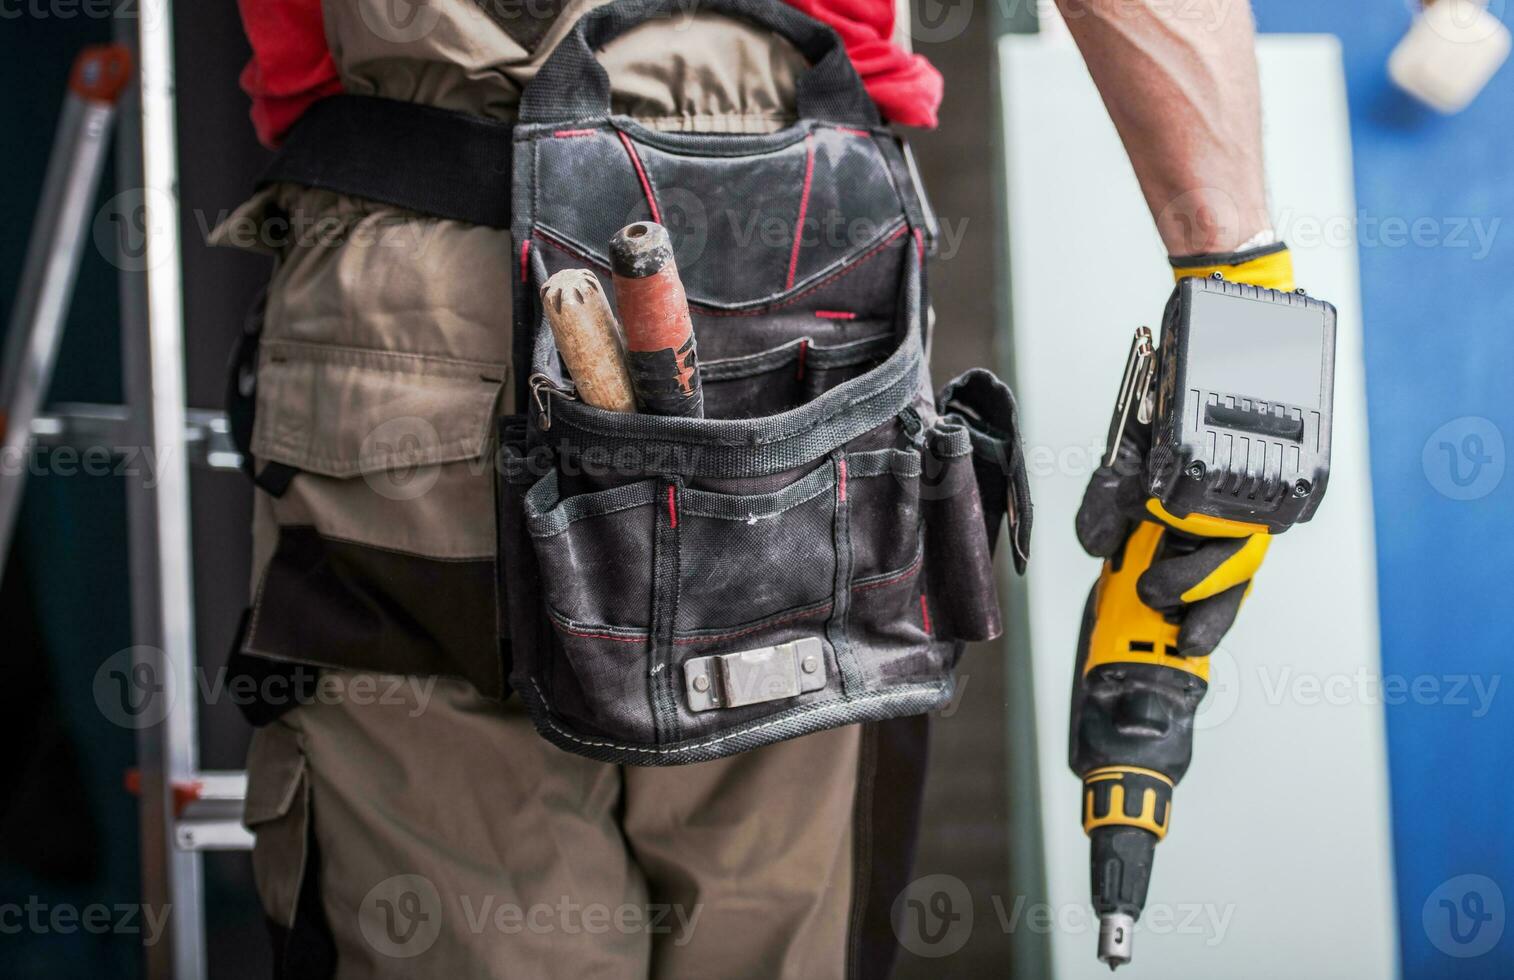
1278 861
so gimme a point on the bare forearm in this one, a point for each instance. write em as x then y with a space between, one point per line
1180 83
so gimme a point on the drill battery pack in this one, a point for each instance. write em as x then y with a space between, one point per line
1241 421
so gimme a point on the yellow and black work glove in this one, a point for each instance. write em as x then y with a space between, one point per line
1195 572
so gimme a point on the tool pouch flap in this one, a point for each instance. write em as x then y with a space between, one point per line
680 589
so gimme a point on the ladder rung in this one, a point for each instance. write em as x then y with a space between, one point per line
83 425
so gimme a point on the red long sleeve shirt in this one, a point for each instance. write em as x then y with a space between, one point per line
291 65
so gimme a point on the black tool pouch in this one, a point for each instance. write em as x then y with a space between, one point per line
816 550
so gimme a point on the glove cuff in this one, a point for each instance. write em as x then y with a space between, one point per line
1269 265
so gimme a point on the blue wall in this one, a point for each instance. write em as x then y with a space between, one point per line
1439 317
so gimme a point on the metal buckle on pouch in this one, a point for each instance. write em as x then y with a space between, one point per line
538 381
731 680
1135 389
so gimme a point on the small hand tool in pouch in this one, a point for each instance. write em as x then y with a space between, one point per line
588 340
655 313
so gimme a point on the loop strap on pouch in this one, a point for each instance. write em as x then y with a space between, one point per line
572 85
434 161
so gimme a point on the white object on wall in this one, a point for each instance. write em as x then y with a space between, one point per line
1279 860
1451 51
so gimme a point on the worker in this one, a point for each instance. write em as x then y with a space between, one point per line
409 819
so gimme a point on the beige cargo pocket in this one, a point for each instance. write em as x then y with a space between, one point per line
278 812
346 411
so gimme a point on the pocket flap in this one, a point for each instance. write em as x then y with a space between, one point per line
345 411
276 768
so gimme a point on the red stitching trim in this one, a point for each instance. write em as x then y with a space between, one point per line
672 509
706 638
893 580
925 614
597 636
920 244
854 132
564 134
841 478
804 206
835 315
525 247
646 185
804 348
567 249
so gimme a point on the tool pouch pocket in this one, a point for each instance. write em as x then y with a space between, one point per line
816 550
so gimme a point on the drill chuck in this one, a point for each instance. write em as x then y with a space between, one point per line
1120 868
1115 930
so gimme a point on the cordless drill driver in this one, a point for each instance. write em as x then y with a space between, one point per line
1219 440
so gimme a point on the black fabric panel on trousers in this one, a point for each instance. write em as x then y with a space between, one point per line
306 950
890 788
437 162
357 607
278 685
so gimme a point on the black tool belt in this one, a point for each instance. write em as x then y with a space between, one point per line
815 551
